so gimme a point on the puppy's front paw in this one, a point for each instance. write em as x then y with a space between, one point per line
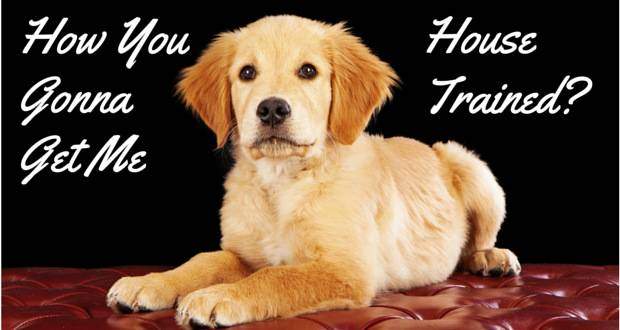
216 306
493 262
142 294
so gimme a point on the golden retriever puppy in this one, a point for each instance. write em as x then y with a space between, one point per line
318 215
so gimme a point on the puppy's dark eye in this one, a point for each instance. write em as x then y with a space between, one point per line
247 73
307 71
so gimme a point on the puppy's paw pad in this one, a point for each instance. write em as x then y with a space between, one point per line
143 309
496 272
123 309
195 325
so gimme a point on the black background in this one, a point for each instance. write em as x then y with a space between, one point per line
560 172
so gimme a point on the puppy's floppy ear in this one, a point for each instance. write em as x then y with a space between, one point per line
361 83
205 86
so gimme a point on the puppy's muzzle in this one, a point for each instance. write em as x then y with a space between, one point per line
273 111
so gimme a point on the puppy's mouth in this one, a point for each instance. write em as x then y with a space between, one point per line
278 147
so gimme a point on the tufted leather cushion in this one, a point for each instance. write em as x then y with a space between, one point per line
543 297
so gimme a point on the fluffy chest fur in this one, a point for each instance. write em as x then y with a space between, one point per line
262 210
395 220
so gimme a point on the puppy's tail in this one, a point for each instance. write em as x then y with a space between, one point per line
476 187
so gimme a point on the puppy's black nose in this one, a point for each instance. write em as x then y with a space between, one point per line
273 111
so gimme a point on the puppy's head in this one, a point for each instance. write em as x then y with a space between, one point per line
285 85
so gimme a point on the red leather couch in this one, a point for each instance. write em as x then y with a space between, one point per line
543 297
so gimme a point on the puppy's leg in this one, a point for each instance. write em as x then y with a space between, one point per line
157 291
484 202
480 256
280 291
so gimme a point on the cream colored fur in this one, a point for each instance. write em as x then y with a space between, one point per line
336 217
